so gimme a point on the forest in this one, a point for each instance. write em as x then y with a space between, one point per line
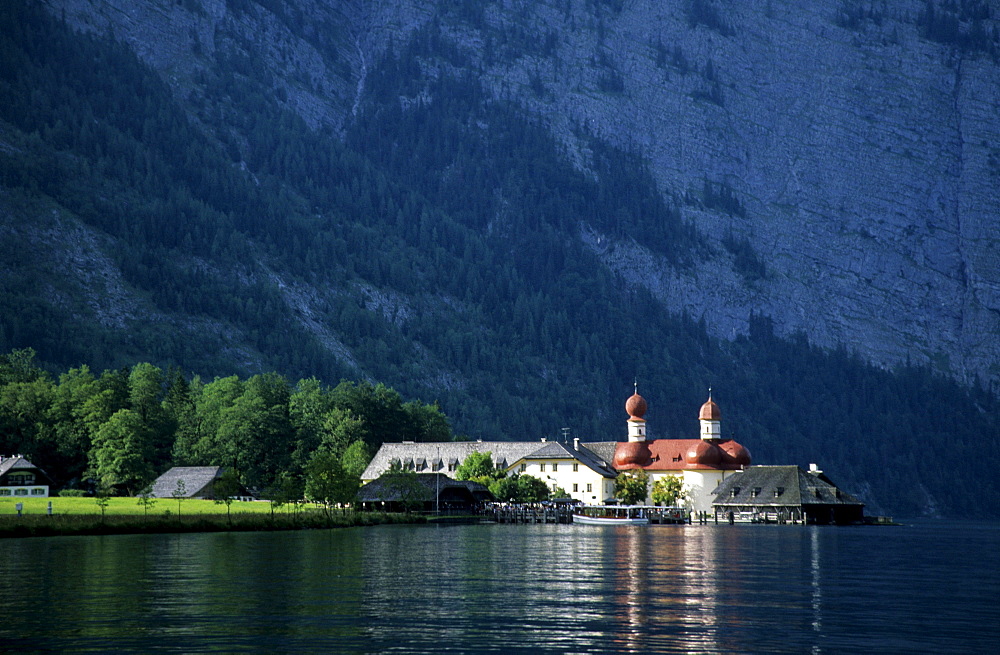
435 241
118 430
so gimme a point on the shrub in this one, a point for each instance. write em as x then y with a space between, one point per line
72 493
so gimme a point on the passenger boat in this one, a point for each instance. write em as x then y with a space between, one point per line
611 515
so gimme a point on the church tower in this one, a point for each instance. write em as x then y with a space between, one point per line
636 408
711 419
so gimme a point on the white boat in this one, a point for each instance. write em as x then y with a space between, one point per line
611 515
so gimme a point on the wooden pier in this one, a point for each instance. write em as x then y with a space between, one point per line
534 513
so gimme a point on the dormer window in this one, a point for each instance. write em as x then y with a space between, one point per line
779 491
755 492
734 492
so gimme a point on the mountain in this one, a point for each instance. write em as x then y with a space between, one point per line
517 208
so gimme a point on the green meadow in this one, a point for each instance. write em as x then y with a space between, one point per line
82 516
131 506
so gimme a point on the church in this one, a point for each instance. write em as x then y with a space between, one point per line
702 464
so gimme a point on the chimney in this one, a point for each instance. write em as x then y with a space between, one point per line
543 439
576 443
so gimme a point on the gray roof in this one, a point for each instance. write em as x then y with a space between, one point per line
195 479
438 455
18 463
780 486
433 484
602 450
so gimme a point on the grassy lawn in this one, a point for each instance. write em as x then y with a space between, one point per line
131 506
82 516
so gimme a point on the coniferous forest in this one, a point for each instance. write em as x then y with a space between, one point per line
418 272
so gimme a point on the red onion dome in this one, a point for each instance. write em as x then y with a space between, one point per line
710 411
632 453
636 406
705 453
735 453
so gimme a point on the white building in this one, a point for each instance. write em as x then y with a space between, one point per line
584 475
21 478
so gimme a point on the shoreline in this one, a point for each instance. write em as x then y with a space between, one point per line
62 525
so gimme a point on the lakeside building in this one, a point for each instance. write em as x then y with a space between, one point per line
584 475
190 482
777 494
19 477
587 471
431 492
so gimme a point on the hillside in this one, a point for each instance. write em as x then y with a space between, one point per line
515 210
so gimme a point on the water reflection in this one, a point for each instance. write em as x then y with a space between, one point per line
581 589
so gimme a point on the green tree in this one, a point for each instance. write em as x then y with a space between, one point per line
121 452
327 481
70 434
631 486
427 422
356 459
478 467
224 488
532 490
19 366
286 488
146 500
402 484
25 424
179 494
669 491
102 496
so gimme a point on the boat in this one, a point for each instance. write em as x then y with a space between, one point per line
611 515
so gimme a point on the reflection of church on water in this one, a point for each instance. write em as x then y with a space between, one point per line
697 589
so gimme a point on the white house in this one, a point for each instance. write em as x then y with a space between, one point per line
19 477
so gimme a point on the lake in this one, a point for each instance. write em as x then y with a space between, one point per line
930 586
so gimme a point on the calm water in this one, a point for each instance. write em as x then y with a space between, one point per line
925 587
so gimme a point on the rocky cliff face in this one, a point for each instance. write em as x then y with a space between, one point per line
841 165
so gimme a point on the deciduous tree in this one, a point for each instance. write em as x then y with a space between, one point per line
631 486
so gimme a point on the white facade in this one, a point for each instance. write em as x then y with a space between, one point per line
20 491
579 481
698 486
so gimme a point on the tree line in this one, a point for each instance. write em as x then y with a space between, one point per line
117 430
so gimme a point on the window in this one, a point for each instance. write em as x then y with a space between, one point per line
588 487
524 467
24 492
555 467
37 492
576 467
755 492
541 467
779 491
735 492
576 487
4 492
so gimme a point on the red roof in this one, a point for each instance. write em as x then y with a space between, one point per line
684 455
